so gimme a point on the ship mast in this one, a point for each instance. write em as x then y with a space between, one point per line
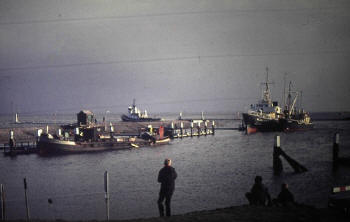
291 103
266 93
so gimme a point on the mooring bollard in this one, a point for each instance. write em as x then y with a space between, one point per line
2 203
26 198
106 186
277 163
336 150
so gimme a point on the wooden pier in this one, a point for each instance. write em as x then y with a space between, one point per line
19 148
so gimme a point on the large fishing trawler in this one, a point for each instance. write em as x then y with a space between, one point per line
267 116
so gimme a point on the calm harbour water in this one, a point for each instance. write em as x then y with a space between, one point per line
213 172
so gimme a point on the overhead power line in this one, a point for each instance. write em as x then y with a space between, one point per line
234 11
95 63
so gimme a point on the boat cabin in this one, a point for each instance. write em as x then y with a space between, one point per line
85 118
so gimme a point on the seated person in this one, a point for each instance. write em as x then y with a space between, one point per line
259 194
285 197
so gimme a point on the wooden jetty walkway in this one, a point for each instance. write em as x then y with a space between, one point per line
19 148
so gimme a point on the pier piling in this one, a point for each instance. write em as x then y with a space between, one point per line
106 186
277 163
336 150
2 203
213 127
191 128
12 142
182 129
199 129
26 198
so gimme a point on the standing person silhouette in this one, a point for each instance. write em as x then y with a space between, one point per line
166 177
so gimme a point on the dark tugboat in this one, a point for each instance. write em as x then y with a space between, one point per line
135 115
267 116
87 136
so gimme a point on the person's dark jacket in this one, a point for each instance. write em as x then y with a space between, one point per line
166 177
285 197
260 194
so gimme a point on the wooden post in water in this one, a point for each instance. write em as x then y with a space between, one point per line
172 128
213 128
182 129
199 128
26 198
111 130
106 186
12 142
205 128
38 133
277 163
191 128
2 203
336 150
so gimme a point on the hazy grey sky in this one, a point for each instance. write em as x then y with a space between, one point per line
179 55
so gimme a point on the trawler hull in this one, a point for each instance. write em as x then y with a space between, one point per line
255 123
258 124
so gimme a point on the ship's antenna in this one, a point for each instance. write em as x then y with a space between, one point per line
301 100
133 103
266 92
289 96
284 90
267 78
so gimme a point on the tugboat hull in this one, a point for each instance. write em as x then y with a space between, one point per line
53 146
126 118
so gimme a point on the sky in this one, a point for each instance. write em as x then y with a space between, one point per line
62 56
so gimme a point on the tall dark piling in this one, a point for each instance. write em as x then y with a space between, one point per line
12 142
199 128
336 139
213 128
277 163
2 203
106 186
182 129
191 128
172 129
38 134
26 199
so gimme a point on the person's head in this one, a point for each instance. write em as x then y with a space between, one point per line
258 179
284 186
167 162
